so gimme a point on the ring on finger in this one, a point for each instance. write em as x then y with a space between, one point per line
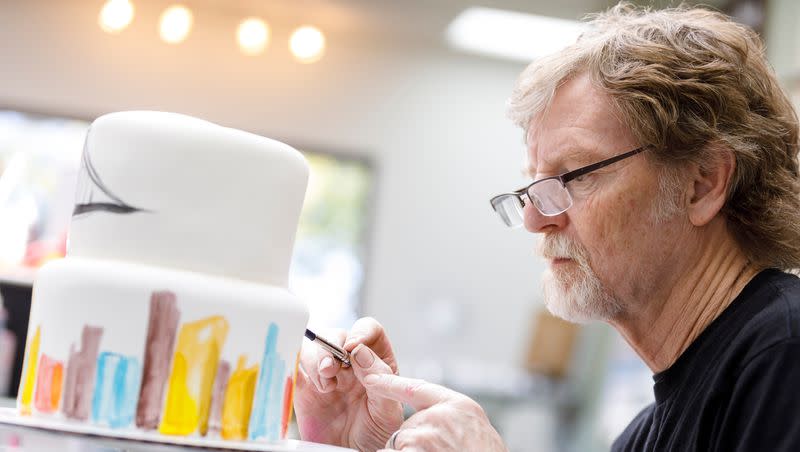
391 443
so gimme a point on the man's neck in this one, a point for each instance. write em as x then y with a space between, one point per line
664 330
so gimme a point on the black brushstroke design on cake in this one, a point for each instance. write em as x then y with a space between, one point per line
90 185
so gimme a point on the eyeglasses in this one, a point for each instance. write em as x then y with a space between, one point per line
549 195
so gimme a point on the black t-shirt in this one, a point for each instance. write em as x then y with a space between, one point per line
737 386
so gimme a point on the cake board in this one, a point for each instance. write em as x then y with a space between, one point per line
125 438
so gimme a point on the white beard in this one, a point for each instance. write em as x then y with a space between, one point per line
574 294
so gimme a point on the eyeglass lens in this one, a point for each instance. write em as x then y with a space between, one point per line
550 196
510 210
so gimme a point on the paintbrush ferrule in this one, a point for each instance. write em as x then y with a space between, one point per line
337 352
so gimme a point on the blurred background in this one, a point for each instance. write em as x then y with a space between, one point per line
399 106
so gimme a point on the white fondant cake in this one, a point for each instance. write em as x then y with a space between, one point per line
171 312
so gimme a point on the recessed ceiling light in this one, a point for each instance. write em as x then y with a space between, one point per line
253 36
176 23
307 44
511 35
116 15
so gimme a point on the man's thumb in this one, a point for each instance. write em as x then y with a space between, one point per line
366 362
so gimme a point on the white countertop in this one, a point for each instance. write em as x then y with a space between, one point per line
32 434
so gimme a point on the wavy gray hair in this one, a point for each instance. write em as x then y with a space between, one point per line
690 82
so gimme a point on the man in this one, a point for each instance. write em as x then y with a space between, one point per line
663 156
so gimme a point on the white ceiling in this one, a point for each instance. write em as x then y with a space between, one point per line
408 23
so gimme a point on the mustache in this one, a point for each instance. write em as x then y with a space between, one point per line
560 247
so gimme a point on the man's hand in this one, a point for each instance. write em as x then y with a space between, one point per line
445 420
332 404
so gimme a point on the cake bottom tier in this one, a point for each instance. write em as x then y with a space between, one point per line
136 347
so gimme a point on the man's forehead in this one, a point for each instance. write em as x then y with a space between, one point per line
579 127
577 101
559 158
574 142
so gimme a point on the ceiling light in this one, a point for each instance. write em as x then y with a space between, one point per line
175 24
307 44
511 35
253 36
115 15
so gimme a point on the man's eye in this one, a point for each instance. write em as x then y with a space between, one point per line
581 178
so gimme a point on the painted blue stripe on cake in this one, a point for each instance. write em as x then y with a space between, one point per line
126 392
266 415
116 390
102 399
275 410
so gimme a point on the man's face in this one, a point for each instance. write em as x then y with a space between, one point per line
606 253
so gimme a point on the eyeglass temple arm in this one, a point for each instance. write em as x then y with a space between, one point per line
596 166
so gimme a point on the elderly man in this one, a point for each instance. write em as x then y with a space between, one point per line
665 187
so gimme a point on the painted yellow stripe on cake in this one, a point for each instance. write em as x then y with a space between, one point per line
239 401
180 417
191 382
29 381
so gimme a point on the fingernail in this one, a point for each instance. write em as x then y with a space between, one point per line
325 363
371 379
351 342
364 356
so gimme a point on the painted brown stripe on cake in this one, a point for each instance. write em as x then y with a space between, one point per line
81 368
218 397
161 331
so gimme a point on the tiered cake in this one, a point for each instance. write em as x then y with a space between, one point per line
170 312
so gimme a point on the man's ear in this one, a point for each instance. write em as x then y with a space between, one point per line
708 188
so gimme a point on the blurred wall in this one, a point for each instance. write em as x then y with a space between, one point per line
432 122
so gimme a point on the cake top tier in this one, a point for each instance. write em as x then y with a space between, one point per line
173 191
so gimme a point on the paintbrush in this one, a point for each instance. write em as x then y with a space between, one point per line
337 352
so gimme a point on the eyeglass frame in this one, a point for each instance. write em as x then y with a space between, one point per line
564 178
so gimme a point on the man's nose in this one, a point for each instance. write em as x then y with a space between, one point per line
536 222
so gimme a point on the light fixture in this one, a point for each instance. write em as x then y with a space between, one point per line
307 44
115 15
511 35
175 24
252 35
